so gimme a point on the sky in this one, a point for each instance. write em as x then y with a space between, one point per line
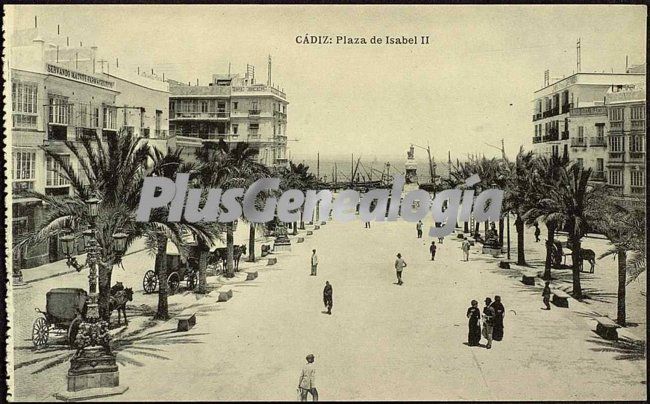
472 85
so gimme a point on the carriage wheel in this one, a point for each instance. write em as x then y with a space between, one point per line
192 280
73 330
149 282
173 282
40 332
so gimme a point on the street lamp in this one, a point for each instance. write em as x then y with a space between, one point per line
93 365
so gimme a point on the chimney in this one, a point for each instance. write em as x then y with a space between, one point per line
117 63
268 82
94 55
39 43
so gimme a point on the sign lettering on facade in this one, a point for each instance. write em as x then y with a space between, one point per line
63 72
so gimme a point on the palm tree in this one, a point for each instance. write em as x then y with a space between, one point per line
226 167
296 176
114 172
625 228
573 204
545 174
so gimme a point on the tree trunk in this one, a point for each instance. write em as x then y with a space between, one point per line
295 228
487 227
104 274
622 279
575 267
161 271
477 228
203 267
230 247
466 227
251 243
519 226
302 225
549 251
501 231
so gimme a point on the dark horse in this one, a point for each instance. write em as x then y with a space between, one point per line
222 254
585 255
119 296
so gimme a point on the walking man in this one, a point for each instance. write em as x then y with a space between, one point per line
432 250
314 263
488 322
307 381
400 264
465 246
537 233
546 295
418 227
367 225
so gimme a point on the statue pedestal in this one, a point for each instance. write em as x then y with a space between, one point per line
93 374
282 243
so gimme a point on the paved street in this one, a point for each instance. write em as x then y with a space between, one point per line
253 346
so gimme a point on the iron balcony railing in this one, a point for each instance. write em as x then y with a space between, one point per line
598 141
579 142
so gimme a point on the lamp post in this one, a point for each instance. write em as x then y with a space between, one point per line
93 365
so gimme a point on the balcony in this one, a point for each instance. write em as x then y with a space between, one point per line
598 141
584 111
537 116
537 139
253 112
280 115
637 190
566 108
597 176
565 135
578 142
85 133
616 126
637 154
57 134
637 124
161 133
216 115
144 132
552 135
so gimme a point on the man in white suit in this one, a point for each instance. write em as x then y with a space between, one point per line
307 381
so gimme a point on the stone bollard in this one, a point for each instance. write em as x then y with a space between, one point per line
225 295
251 275
323 223
504 265
300 240
272 261
317 227
309 232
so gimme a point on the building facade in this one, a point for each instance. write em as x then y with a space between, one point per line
232 108
572 118
58 95
626 139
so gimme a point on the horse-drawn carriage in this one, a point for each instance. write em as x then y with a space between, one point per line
178 270
64 310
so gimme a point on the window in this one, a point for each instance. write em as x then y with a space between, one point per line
284 109
581 132
235 128
616 144
555 150
600 165
24 104
55 175
637 179
566 151
94 119
254 126
616 177
616 114
82 118
158 119
23 171
600 130
254 106
110 117
580 161
636 143
637 113
59 111
235 105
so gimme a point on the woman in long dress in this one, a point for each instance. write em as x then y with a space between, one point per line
500 313
474 324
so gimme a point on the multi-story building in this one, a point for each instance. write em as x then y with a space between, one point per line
571 118
58 95
233 108
626 139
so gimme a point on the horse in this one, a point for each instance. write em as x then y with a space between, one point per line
222 254
119 297
589 256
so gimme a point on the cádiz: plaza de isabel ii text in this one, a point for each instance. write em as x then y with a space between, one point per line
308 39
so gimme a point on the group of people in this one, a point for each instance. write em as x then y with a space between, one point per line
488 324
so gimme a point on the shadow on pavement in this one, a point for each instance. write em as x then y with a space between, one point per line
627 349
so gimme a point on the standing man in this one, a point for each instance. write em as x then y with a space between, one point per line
432 250
327 297
488 321
546 295
418 227
499 314
314 263
537 233
367 225
307 381
400 264
465 246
